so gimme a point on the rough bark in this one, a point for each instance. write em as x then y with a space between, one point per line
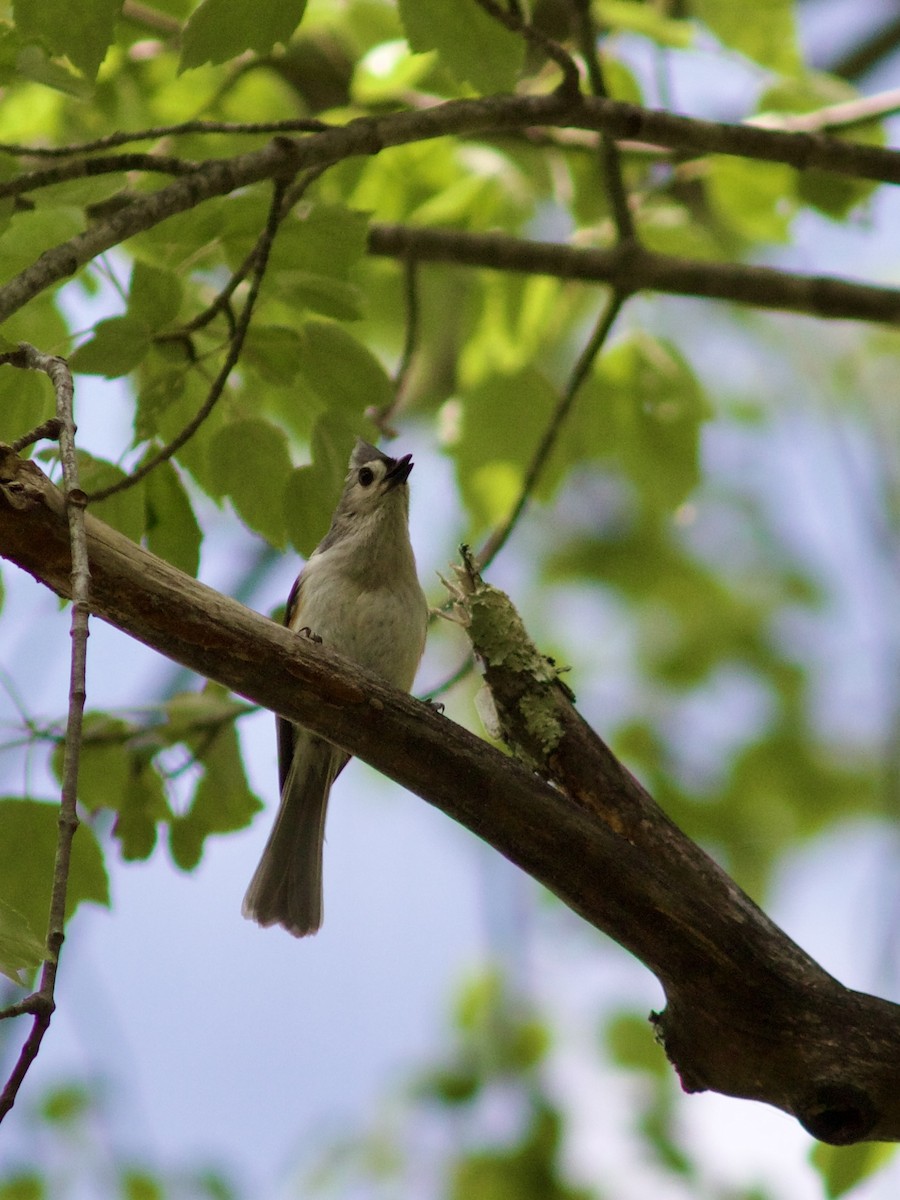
748 1013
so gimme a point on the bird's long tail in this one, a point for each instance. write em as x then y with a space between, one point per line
286 888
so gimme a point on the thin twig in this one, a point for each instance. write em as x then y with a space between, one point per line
609 151
113 164
222 301
41 1003
47 429
498 538
382 417
455 677
112 140
234 351
513 20
860 111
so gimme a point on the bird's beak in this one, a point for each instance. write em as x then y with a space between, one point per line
399 472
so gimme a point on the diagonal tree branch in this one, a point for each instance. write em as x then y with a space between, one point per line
748 1012
635 269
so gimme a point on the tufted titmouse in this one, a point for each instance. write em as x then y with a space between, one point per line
360 595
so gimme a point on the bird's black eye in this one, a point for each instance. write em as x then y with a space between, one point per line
366 476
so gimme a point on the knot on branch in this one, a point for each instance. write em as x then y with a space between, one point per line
838 1113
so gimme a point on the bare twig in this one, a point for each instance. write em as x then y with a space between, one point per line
47 429
222 301
609 151
155 132
512 18
634 268
41 1004
834 116
451 680
261 259
383 416
499 537
113 164
151 18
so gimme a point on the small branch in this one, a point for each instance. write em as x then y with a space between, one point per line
868 53
49 430
500 536
222 302
151 18
74 501
513 19
261 259
32 181
834 116
609 151
383 416
455 677
635 269
155 132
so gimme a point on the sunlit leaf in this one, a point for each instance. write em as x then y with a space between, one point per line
221 29
474 47
249 462
172 528
80 32
28 840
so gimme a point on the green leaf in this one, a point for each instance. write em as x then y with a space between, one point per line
832 195
275 352
249 462
843 1167
504 418
473 46
765 32
218 30
312 492
753 199
28 837
645 406
172 529
125 510
119 344
26 399
630 16
66 1104
632 1045
21 950
139 1185
155 296
116 773
325 239
23 1185
342 371
82 32
223 800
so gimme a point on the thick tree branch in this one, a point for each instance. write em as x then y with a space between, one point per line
749 1014
371 135
634 269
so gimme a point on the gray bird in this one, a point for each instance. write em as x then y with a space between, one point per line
358 593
